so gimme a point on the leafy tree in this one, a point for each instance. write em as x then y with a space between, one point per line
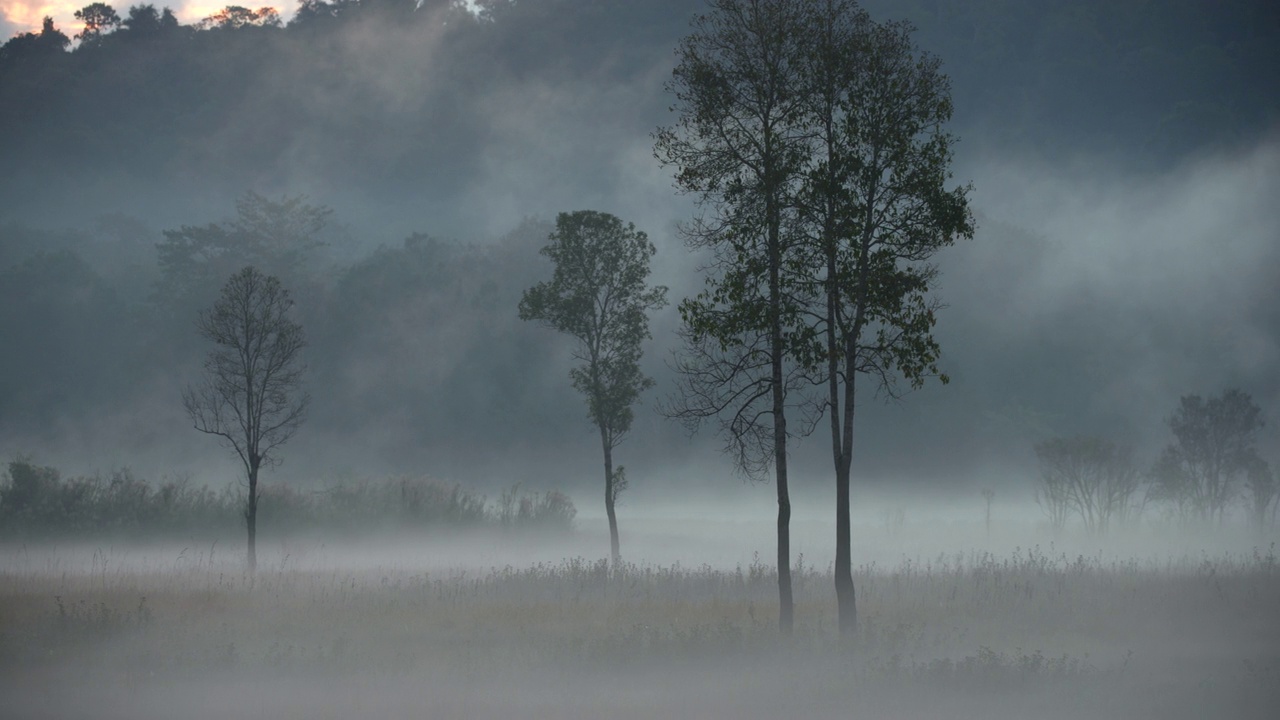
277 236
99 18
1213 446
598 295
145 20
49 42
874 207
233 17
250 396
737 146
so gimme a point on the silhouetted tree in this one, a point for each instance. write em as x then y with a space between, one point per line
251 395
1264 492
233 17
1213 446
874 208
1091 476
737 146
98 18
598 295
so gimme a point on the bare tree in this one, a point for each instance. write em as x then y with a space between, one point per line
1091 476
250 396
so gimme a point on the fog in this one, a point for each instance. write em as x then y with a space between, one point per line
1124 176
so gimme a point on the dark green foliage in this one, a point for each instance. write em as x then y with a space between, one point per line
598 296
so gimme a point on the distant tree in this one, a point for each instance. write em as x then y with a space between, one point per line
49 42
598 295
233 17
251 395
1091 476
277 236
988 497
145 20
1263 496
1213 447
99 18
737 145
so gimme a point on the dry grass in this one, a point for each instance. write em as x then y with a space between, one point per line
1029 622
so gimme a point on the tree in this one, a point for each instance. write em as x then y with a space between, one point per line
1091 476
98 18
233 17
736 146
598 295
145 20
1264 492
277 236
49 43
1213 446
250 396
874 207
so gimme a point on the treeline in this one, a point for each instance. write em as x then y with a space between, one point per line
415 342
38 502
1210 467
394 94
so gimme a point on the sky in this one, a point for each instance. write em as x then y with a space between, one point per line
1096 292
17 16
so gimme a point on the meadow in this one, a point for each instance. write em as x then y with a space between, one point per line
325 631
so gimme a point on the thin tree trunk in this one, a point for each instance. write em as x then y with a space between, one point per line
251 516
786 605
615 553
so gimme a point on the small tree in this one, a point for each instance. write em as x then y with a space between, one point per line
598 295
988 497
251 395
1213 446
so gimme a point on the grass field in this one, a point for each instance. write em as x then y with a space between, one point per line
1029 633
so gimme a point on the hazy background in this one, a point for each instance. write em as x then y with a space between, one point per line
1125 158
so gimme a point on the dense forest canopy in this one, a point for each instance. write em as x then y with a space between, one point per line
416 122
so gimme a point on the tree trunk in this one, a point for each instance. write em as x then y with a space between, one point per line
614 550
786 607
846 603
251 515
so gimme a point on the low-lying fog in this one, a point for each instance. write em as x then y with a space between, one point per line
1155 620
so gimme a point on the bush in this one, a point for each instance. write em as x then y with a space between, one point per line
37 501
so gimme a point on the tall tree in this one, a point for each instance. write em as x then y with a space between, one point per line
251 395
874 207
598 295
737 147
1213 446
